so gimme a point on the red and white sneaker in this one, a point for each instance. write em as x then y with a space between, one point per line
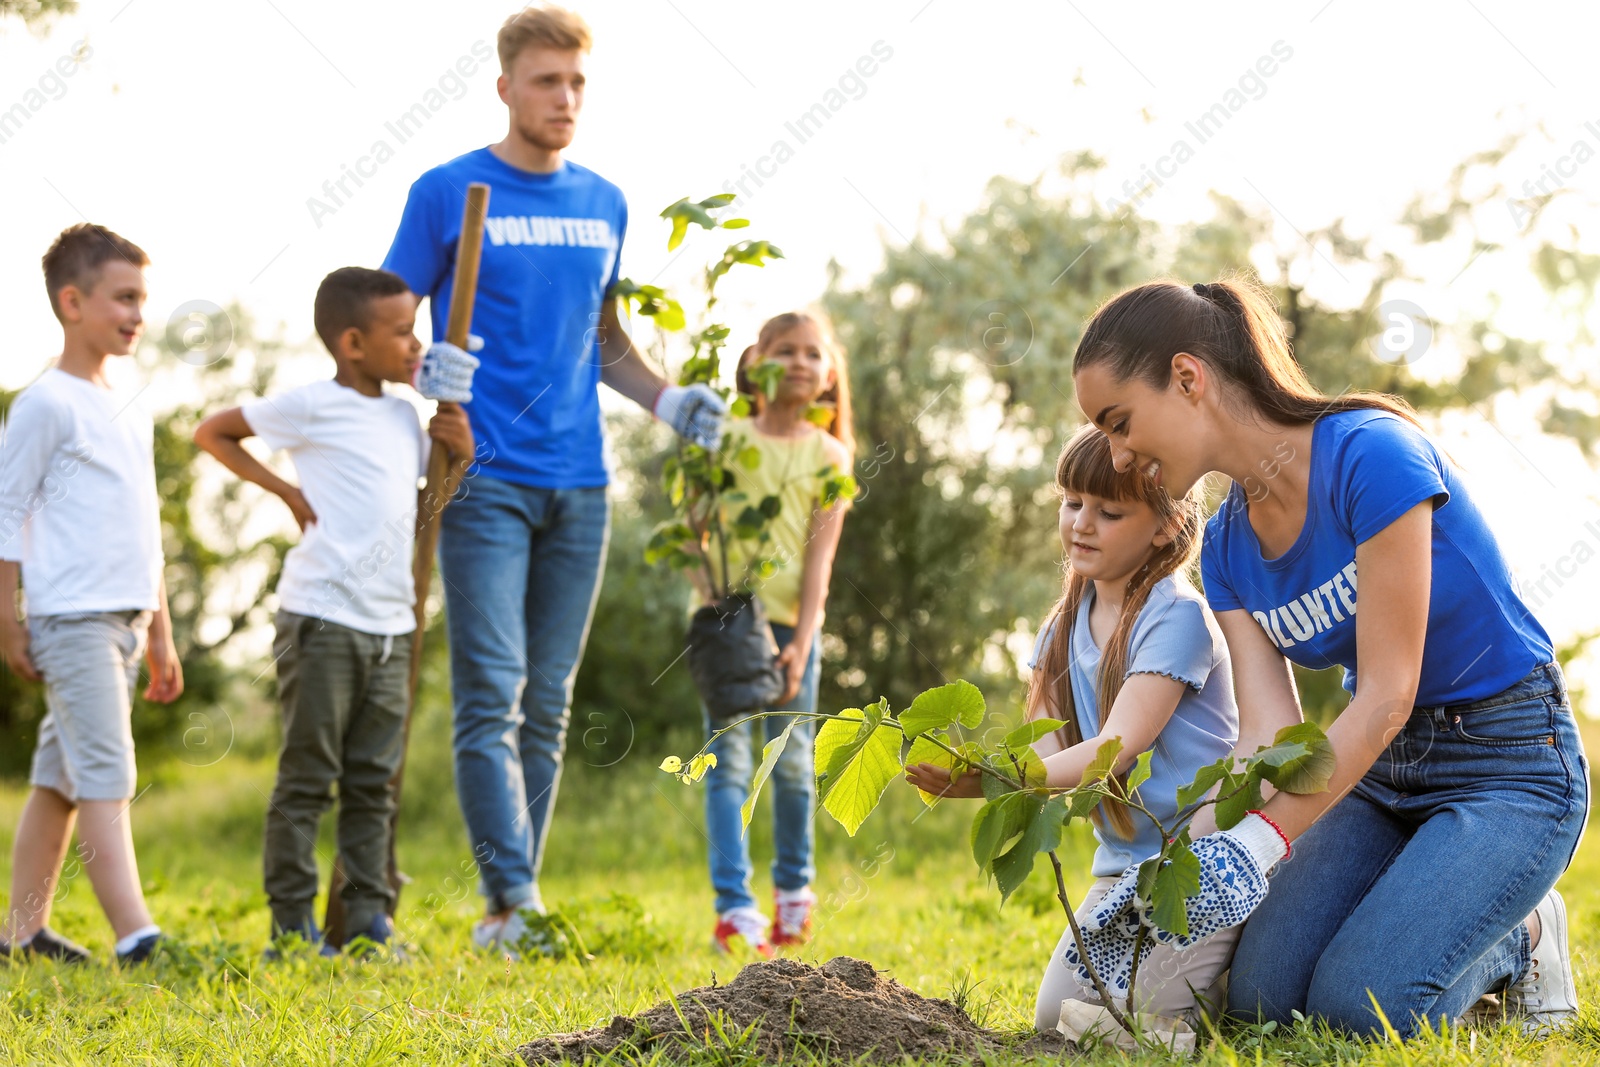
745 924
791 923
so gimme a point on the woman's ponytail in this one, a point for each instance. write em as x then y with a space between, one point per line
1233 326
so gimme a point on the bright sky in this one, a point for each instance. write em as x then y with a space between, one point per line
201 130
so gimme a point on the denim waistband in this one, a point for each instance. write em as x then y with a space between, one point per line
1541 681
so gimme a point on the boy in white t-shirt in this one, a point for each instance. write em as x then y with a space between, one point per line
80 525
346 596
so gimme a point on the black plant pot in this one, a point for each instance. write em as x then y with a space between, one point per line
731 657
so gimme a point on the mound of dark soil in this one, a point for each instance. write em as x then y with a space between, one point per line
843 1009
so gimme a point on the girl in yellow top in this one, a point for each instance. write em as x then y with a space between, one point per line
796 456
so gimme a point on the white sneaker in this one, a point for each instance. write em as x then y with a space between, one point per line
791 918
1546 996
746 923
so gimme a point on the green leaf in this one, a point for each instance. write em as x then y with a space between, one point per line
1299 760
735 224
996 823
860 761
1236 807
718 200
1175 883
740 408
1081 803
771 506
1104 762
1204 779
769 759
749 457
993 787
1141 770
943 706
1029 732
923 750
1041 832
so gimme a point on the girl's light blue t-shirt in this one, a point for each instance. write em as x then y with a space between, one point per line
1367 469
1174 635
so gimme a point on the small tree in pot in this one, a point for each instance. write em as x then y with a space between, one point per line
730 651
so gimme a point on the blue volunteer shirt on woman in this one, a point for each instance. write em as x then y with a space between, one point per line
1175 636
551 250
1367 469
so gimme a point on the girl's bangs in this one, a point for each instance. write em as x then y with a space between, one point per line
1086 466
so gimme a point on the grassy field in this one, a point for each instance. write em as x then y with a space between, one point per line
904 895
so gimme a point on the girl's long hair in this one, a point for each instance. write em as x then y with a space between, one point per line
1086 466
837 399
1232 325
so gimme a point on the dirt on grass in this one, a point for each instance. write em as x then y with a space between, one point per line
843 1009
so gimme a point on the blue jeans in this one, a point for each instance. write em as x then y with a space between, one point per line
521 569
1416 885
792 785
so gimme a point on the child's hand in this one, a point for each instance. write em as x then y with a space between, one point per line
932 778
166 670
14 650
450 428
299 507
792 662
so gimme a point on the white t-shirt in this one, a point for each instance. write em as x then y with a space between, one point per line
78 505
358 459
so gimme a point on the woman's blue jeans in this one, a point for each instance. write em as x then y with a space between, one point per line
793 789
1413 890
521 570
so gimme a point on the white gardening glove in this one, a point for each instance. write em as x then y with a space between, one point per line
446 371
1233 881
695 411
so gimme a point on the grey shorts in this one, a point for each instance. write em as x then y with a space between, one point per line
90 664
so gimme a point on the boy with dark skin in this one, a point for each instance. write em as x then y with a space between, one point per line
347 598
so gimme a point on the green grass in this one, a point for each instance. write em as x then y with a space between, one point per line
922 915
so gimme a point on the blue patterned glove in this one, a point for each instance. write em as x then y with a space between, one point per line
446 371
695 411
1233 881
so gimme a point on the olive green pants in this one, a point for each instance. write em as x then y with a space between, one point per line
344 707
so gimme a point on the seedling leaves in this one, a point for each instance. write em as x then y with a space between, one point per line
1299 760
769 759
943 706
1029 732
859 761
1141 770
1175 882
1104 762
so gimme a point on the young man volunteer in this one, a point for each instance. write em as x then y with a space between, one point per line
523 546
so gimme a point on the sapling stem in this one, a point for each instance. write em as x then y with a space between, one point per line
1083 951
1133 968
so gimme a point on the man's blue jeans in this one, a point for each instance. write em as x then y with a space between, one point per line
521 569
1415 886
793 789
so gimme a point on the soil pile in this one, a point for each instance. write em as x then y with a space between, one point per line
843 1009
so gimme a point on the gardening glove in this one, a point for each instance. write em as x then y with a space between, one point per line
695 411
446 371
1233 881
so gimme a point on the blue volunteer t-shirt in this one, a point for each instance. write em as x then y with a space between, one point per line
551 247
1174 636
1367 469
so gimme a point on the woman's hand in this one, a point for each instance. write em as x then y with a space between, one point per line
792 662
939 781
